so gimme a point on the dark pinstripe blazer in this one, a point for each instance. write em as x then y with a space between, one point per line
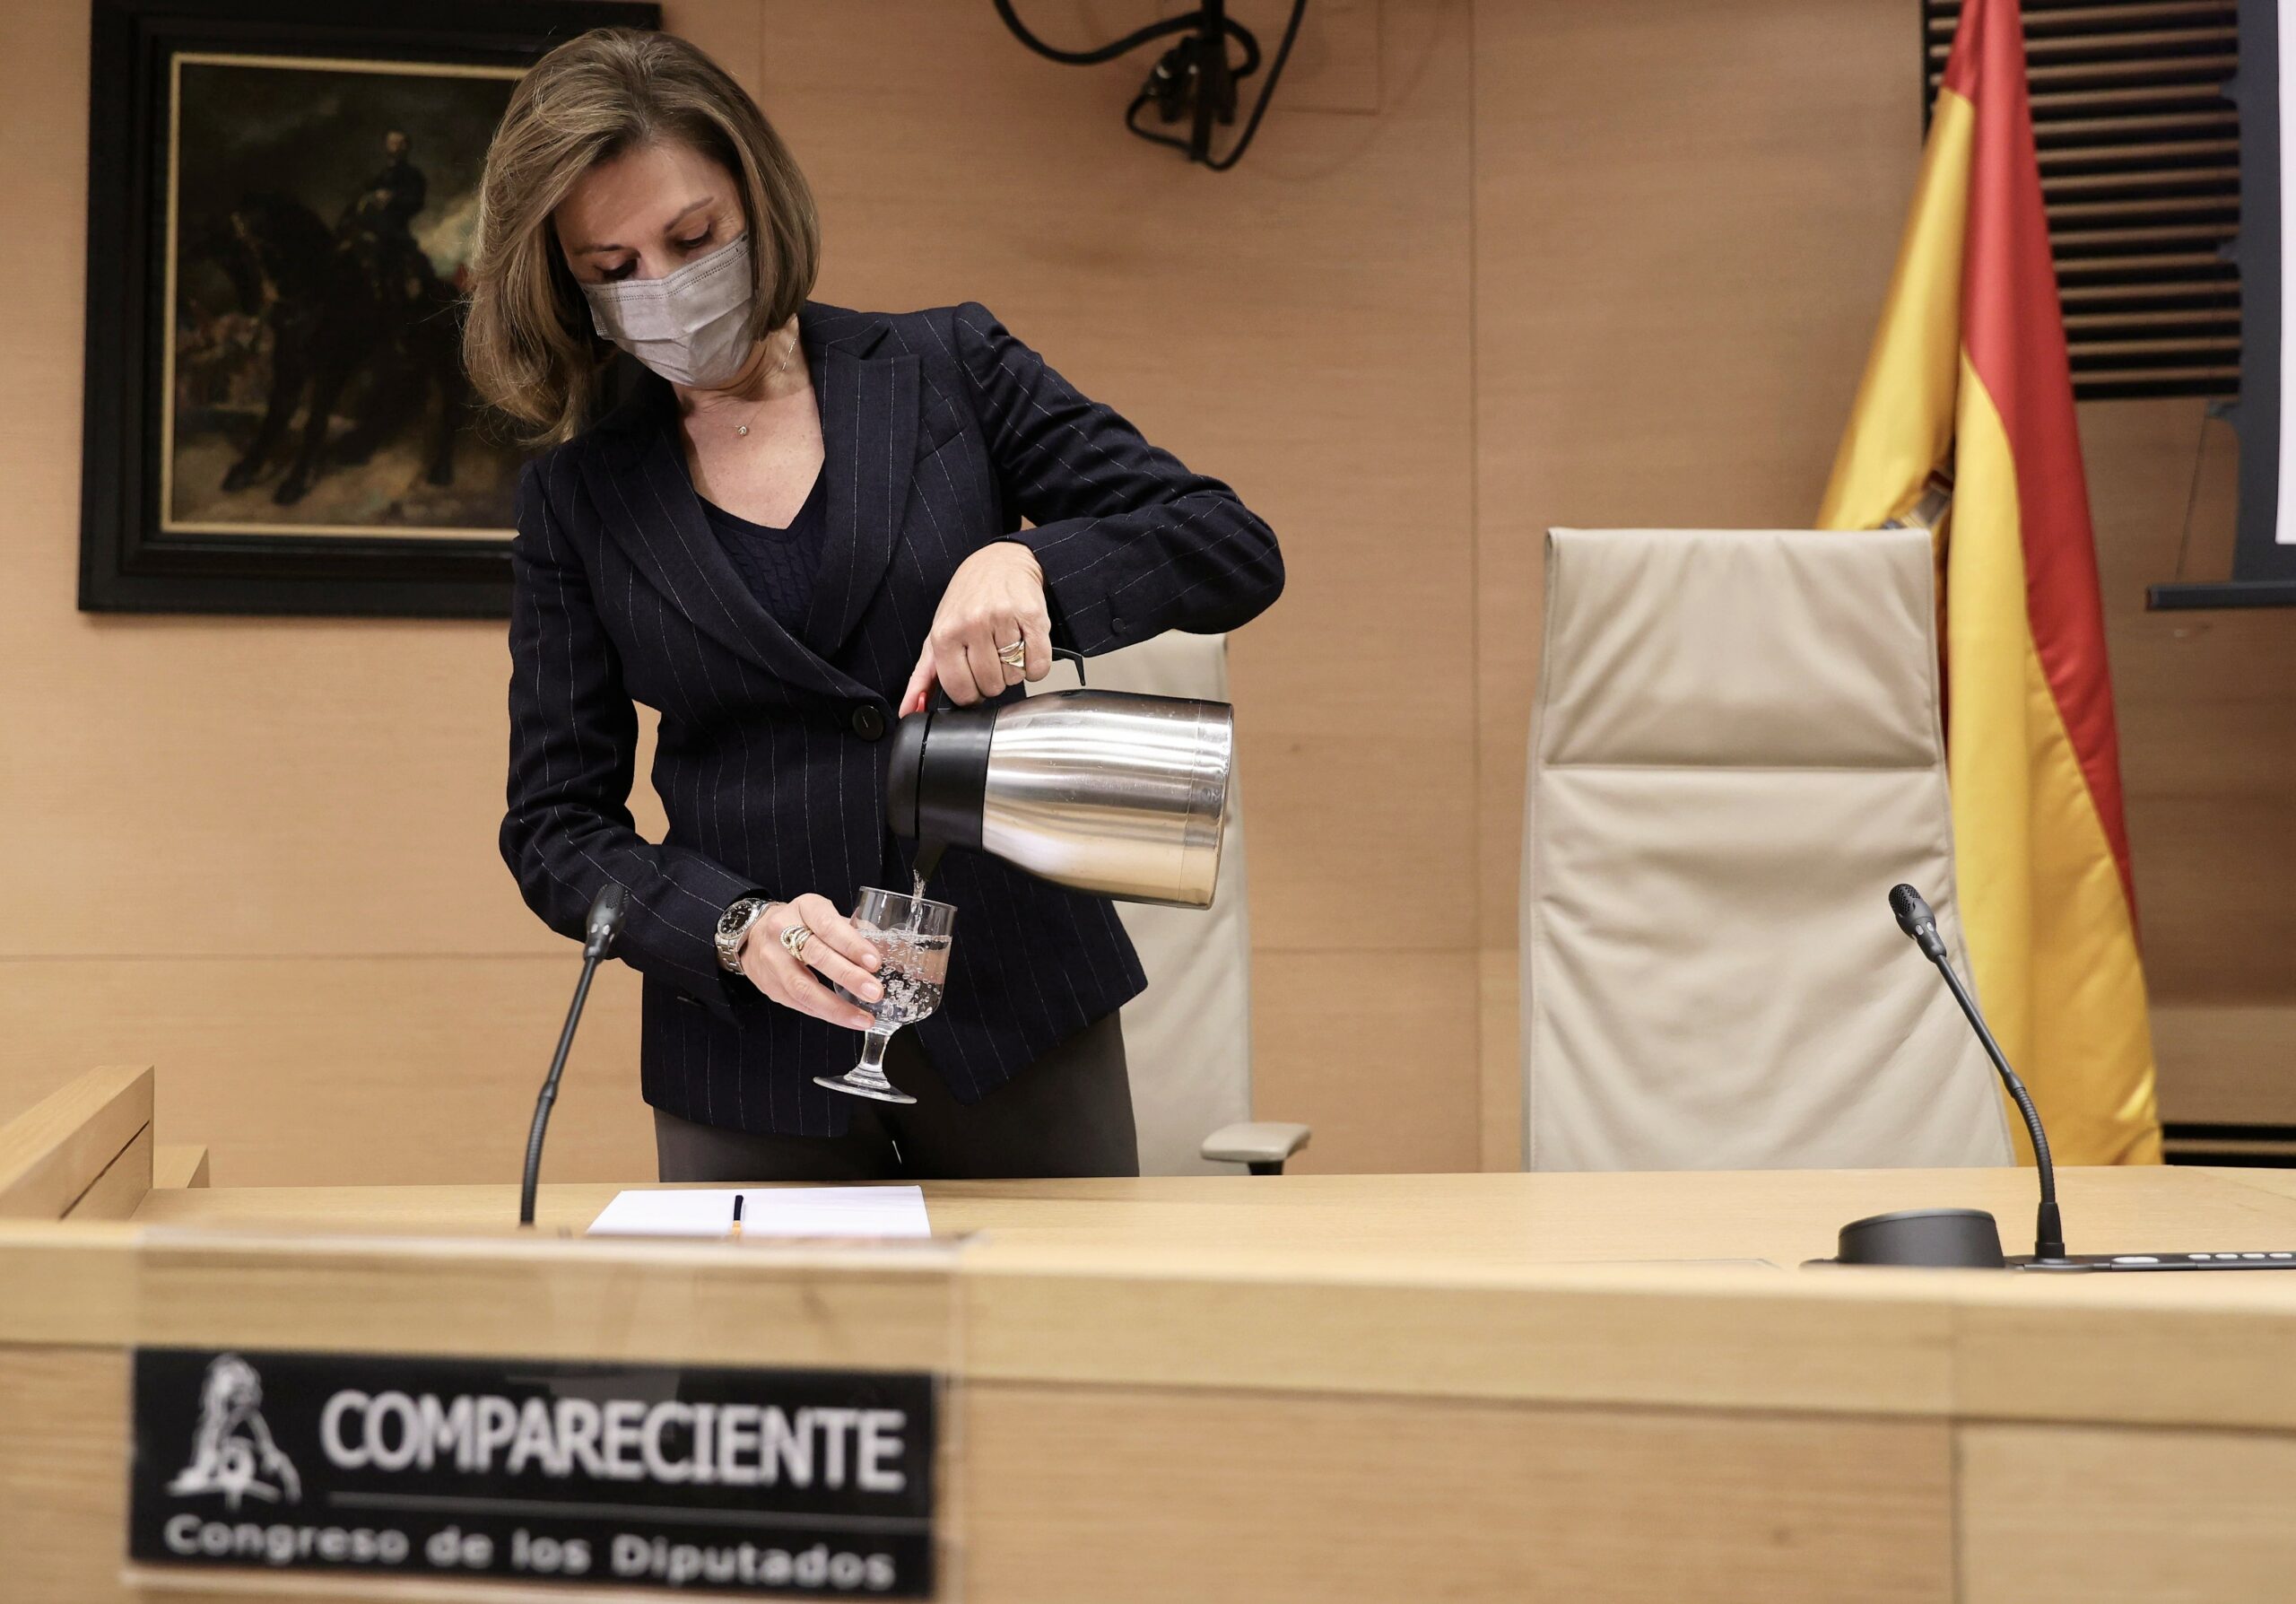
943 433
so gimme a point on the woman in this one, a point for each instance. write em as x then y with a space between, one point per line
801 520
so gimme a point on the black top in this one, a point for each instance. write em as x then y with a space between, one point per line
777 565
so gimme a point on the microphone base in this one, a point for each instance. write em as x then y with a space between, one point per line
1925 1238
1970 1238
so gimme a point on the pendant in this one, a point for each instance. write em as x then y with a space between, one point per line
740 428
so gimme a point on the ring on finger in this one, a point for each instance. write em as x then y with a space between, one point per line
794 940
1015 656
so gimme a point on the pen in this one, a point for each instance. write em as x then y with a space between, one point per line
736 1231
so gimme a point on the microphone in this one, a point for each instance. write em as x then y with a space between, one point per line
1914 918
1969 1238
604 924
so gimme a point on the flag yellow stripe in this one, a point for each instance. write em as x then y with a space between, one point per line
1902 425
2050 935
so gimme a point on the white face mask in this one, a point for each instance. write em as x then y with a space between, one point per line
691 327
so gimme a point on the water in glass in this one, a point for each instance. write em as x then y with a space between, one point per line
912 937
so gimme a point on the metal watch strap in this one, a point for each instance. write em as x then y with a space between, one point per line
733 928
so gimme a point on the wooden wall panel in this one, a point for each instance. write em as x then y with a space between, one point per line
2225 1064
1685 218
1377 1051
1489 267
1498 983
2207 707
202 784
296 1071
44 160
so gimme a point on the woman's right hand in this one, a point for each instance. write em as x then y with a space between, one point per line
837 952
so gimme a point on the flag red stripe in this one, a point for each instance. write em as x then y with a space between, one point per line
2014 333
1960 62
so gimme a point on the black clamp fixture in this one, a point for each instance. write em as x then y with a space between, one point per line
1193 81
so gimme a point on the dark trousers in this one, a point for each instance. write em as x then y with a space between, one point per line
1067 1114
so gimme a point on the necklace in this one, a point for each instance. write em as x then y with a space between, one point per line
743 428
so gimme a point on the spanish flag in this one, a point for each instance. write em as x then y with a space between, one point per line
1969 375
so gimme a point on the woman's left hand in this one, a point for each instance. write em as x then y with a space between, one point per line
996 597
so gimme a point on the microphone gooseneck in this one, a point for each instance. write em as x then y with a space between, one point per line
599 932
1914 918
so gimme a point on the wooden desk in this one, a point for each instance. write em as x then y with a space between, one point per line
1324 1388
1468 1223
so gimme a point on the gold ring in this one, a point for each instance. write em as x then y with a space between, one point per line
1015 656
794 940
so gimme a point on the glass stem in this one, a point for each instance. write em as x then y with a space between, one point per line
873 1050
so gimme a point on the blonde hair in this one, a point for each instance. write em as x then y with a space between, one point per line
527 340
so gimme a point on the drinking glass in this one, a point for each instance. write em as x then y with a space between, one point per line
912 934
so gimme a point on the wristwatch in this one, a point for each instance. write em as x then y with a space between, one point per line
733 925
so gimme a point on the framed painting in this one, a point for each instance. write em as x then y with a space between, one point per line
280 211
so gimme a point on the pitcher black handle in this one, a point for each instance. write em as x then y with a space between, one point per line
941 695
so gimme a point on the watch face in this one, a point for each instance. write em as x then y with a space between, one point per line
736 918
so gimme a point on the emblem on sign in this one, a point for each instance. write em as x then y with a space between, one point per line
233 1453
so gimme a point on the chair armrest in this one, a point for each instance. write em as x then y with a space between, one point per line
1262 1144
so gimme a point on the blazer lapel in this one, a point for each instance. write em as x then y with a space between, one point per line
869 419
638 480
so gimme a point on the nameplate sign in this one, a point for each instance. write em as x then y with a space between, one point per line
679 1477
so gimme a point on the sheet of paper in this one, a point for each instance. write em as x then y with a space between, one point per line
813 1211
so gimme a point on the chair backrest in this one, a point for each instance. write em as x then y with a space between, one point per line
1188 1036
1735 751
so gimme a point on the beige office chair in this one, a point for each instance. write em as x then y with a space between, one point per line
1188 1036
1735 751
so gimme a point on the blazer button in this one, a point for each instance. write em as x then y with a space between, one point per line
868 723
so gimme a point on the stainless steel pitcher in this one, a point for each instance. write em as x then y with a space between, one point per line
1104 790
